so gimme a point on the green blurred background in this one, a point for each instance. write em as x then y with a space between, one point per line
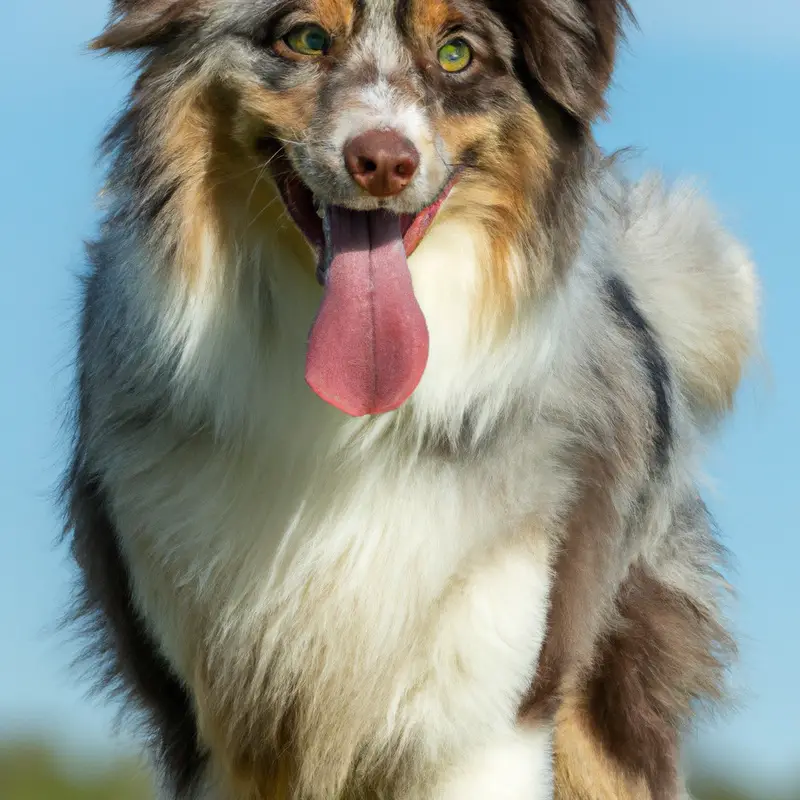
32 770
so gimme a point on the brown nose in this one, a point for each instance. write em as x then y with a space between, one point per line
382 162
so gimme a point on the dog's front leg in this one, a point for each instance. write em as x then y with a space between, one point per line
468 672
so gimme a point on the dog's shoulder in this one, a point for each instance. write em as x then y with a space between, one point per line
695 283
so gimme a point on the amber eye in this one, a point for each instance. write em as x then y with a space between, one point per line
308 40
455 56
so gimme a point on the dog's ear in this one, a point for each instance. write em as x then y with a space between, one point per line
137 24
569 47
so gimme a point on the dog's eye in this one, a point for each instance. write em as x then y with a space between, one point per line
455 56
308 40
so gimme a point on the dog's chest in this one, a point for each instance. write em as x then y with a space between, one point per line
372 532
300 537
387 600
334 553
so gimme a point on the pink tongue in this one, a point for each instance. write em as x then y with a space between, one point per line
369 344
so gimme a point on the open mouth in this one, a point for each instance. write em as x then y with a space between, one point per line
368 346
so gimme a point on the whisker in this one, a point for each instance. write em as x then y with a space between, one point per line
227 178
306 141
451 164
261 213
256 182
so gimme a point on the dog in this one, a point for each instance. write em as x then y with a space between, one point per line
390 394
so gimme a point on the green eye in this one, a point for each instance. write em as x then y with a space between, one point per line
309 40
455 56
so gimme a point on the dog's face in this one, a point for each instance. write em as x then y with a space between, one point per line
366 113
380 103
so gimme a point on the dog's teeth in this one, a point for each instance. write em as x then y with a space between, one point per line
321 208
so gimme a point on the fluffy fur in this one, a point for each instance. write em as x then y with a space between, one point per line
507 588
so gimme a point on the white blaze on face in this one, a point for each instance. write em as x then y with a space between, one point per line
388 99
368 347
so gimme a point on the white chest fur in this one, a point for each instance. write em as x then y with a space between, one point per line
386 596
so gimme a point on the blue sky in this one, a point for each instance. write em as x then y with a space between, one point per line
711 93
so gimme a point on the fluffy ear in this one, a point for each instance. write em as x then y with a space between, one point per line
569 47
137 24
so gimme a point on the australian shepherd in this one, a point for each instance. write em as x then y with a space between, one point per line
391 390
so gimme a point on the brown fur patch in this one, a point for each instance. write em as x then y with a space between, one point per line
620 715
569 46
665 654
580 602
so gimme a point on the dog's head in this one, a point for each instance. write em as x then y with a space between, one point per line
366 114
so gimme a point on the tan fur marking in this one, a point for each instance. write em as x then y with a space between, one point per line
430 16
188 152
251 767
336 16
467 130
503 197
285 113
717 374
210 143
246 768
582 770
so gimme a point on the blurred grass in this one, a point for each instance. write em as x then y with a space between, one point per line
711 787
34 770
